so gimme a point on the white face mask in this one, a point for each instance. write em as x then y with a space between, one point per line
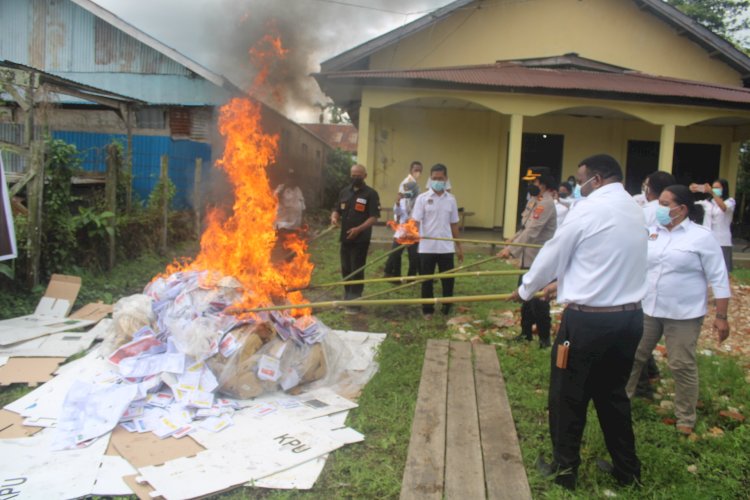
577 191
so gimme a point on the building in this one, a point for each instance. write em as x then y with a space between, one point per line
491 88
175 98
343 136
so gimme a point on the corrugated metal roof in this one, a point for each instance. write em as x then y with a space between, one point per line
336 135
515 77
81 41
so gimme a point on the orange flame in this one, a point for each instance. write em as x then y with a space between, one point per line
406 233
241 244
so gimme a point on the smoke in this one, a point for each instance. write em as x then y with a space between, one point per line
311 31
219 34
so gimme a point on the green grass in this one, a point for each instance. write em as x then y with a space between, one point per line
374 468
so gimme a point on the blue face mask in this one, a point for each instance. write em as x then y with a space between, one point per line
437 185
662 215
718 191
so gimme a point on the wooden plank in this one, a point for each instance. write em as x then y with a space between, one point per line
505 474
464 474
425 462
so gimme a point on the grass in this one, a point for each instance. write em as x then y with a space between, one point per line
374 468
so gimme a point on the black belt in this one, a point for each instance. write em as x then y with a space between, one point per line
633 306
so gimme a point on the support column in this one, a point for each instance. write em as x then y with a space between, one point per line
666 147
363 144
734 165
513 168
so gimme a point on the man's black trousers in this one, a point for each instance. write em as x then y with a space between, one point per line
444 262
353 256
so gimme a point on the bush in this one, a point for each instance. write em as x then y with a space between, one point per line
336 176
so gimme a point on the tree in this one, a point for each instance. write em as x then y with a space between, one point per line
728 18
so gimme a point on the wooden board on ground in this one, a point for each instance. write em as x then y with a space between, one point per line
504 471
464 475
425 465
143 449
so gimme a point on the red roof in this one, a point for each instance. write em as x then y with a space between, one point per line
336 135
505 76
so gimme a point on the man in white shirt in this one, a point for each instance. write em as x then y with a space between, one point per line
291 204
654 185
436 213
599 262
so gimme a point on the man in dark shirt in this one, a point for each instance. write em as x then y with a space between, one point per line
358 208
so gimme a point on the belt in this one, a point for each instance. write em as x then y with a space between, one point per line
633 306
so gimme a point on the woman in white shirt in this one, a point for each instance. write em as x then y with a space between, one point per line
719 213
683 259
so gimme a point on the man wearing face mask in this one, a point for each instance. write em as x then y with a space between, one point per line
357 210
599 262
436 213
538 222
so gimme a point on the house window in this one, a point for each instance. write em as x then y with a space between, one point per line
304 150
150 118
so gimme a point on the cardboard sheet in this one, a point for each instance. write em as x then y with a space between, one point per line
94 311
248 457
11 426
144 449
109 480
31 371
50 314
37 472
58 345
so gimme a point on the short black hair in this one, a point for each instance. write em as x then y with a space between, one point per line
658 181
548 181
724 188
603 165
412 164
566 185
439 167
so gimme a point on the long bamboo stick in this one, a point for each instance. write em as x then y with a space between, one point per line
446 274
509 272
371 263
384 302
487 242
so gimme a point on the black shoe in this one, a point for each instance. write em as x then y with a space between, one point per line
621 479
543 344
522 338
563 477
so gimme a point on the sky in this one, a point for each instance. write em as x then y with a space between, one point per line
219 33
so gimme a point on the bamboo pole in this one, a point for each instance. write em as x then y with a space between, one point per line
509 272
439 275
382 302
110 188
485 242
164 176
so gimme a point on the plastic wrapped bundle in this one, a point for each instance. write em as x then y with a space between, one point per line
129 315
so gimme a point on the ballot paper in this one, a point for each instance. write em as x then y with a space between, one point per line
91 410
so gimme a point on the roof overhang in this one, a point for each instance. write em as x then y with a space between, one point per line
345 87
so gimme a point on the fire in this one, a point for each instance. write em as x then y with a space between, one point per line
240 244
406 233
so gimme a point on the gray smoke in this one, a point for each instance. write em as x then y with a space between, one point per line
219 34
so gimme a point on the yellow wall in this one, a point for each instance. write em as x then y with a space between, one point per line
613 31
472 143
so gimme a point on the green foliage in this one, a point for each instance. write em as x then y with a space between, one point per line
58 228
727 18
96 225
336 175
156 198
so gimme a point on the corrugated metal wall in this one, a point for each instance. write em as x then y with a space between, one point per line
147 151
